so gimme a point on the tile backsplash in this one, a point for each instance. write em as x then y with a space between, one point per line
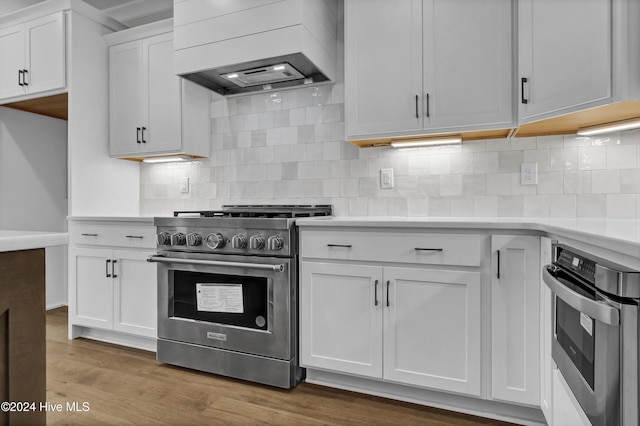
288 147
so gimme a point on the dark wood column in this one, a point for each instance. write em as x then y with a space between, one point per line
22 334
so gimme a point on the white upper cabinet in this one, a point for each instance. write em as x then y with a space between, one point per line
565 57
427 66
383 66
33 57
467 64
125 96
152 111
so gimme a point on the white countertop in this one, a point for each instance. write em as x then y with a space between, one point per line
142 219
620 235
26 240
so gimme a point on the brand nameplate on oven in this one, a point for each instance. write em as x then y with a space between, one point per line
587 323
219 297
216 336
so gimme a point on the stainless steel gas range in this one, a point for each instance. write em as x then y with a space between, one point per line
228 291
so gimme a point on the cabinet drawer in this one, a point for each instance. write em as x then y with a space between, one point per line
404 247
133 236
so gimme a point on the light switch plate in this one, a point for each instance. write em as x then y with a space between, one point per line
386 178
184 185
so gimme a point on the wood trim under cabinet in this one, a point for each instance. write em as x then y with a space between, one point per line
570 123
55 106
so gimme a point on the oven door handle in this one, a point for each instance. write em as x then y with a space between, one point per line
597 310
162 259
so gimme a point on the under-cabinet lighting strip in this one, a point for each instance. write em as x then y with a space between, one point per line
410 143
167 159
633 123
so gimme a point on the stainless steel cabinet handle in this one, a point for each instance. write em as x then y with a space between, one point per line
143 129
498 274
24 77
134 236
89 235
106 267
339 245
597 310
417 115
162 259
20 83
375 293
523 80
428 249
388 283
138 134
113 268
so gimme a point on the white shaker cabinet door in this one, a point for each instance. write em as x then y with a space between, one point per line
162 95
467 63
135 293
564 55
383 66
45 54
341 318
12 46
91 287
125 98
432 329
515 319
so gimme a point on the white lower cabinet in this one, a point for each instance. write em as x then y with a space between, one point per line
112 287
340 323
432 328
415 326
515 319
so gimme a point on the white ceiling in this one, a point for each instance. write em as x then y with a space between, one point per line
129 12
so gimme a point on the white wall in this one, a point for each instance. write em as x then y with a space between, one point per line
33 185
99 185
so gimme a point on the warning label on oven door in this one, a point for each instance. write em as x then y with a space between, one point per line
219 298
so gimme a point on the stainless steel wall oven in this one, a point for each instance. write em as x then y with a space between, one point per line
595 333
228 289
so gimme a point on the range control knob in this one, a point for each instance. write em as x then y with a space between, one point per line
275 242
239 241
178 239
215 241
163 238
194 239
256 242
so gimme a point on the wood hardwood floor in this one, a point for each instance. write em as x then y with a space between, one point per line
123 386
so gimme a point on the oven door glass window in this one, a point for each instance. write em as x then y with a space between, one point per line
575 333
223 299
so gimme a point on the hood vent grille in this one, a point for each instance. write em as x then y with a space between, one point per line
263 75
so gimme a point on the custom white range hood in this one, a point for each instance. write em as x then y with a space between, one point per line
235 47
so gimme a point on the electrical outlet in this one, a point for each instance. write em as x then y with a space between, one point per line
184 185
528 173
386 178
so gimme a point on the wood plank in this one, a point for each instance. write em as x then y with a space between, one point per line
570 123
55 106
4 364
129 387
22 332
